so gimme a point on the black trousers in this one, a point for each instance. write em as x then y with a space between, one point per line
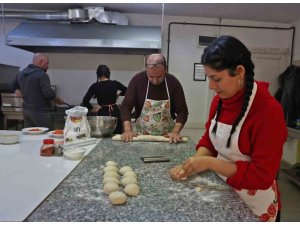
37 119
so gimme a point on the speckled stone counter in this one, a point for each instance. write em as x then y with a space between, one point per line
80 196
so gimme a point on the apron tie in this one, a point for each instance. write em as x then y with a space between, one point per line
110 108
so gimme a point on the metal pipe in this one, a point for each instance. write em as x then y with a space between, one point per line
37 16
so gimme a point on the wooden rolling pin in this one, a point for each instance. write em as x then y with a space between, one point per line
148 138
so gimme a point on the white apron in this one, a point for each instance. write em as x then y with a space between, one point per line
263 203
155 118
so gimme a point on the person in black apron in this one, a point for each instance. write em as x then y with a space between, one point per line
245 131
107 92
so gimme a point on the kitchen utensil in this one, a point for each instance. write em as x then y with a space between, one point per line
79 143
75 153
9 138
153 159
102 126
34 130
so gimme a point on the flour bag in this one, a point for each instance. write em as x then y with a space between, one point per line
76 126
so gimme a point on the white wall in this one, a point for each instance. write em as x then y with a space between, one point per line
296 24
74 73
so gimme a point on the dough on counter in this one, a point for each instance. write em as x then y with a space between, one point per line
111 163
148 138
110 168
198 189
132 189
110 187
111 180
111 174
128 180
124 169
117 198
130 173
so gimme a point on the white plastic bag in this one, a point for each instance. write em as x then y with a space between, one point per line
76 126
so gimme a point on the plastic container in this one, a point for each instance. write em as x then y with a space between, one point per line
75 153
48 148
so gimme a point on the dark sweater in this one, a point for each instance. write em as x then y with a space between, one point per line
34 84
105 92
136 93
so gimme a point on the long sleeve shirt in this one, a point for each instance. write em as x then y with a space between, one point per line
262 138
136 94
105 92
35 87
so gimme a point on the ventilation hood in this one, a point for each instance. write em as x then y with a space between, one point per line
85 38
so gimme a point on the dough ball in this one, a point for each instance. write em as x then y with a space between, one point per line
124 169
132 189
198 189
130 174
111 174
111 180
111 163
128 180
110 187
117 198
110 168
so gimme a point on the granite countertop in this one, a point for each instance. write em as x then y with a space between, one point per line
80 196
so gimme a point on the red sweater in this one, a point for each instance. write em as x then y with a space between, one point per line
262 137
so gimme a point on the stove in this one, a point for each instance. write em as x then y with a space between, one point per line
11 107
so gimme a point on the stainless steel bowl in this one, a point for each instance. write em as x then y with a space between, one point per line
102 126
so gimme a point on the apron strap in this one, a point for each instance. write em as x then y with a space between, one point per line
110 108
166 88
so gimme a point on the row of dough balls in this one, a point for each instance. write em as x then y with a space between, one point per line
112 182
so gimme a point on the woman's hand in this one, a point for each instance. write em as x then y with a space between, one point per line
95 108
196 164
177 173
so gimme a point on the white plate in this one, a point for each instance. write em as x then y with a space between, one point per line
50 133
30 130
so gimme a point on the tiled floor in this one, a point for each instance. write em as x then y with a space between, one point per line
290 192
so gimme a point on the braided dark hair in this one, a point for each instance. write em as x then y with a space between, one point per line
103 70
227 52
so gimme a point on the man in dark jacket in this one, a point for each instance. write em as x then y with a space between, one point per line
33 84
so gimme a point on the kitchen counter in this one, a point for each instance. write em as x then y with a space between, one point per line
26 177
80 196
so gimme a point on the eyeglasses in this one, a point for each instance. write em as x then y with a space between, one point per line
157 65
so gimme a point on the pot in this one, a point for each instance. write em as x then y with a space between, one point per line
102 126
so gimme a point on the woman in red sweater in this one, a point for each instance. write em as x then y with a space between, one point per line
245 131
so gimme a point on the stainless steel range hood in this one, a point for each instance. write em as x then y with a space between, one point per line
85 38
